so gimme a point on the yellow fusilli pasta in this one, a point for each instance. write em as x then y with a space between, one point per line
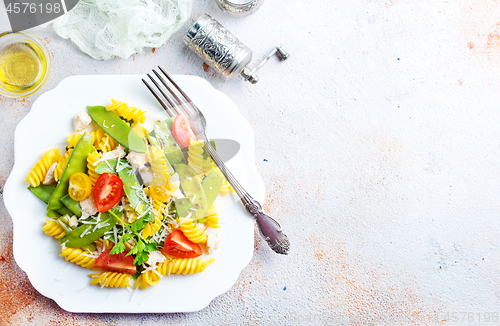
148 278
53 229
106 144
225 188
175 266
151 228
96 137
192 232
104 244
61 164
139 129
185 266
129 211
158 208
156 158
73 139
195 156
39 171
91 159
111 279
207 165
213 218
126 112
78 257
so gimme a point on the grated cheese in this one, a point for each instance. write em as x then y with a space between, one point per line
86 286
85 232
106 142
88 222
100 225
109 165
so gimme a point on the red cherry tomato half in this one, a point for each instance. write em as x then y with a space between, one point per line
178 245
182 133
116 262
108 191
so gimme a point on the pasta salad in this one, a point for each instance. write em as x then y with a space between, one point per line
131 203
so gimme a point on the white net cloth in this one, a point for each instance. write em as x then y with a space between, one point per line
107 28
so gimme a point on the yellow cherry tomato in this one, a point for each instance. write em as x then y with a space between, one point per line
160 193
80 186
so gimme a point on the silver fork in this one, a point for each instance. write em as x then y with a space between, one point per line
268 227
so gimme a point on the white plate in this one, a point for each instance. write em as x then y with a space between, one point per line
48 124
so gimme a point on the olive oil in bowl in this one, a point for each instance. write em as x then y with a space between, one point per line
24 65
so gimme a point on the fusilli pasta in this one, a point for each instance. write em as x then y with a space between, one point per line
156 158
151 228
96 137
175 266
207 165
61 164
106 144
126 112
91 159
103 244
139 129
159 210
192 232
111 279
225 188
78 257
213 218
53 229
129 211
195 156
39 171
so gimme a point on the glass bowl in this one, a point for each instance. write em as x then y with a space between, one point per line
24 64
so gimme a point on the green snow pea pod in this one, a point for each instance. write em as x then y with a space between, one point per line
133 189
44 192
211 186
108 166
63 222
166 140
72 205
152 139
53 214
74 239
191 187
182 206
58 212
77 163
90 248
137 198
169 122
118 129
65 211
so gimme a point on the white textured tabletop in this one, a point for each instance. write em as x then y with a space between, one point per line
378 141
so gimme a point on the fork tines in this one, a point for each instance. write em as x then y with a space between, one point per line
188 107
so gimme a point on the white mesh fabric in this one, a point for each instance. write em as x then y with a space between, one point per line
107 28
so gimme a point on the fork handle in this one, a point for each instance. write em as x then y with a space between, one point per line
269 229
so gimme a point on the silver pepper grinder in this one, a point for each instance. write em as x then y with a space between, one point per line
222 51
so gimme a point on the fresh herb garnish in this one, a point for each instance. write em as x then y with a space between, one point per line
142 248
